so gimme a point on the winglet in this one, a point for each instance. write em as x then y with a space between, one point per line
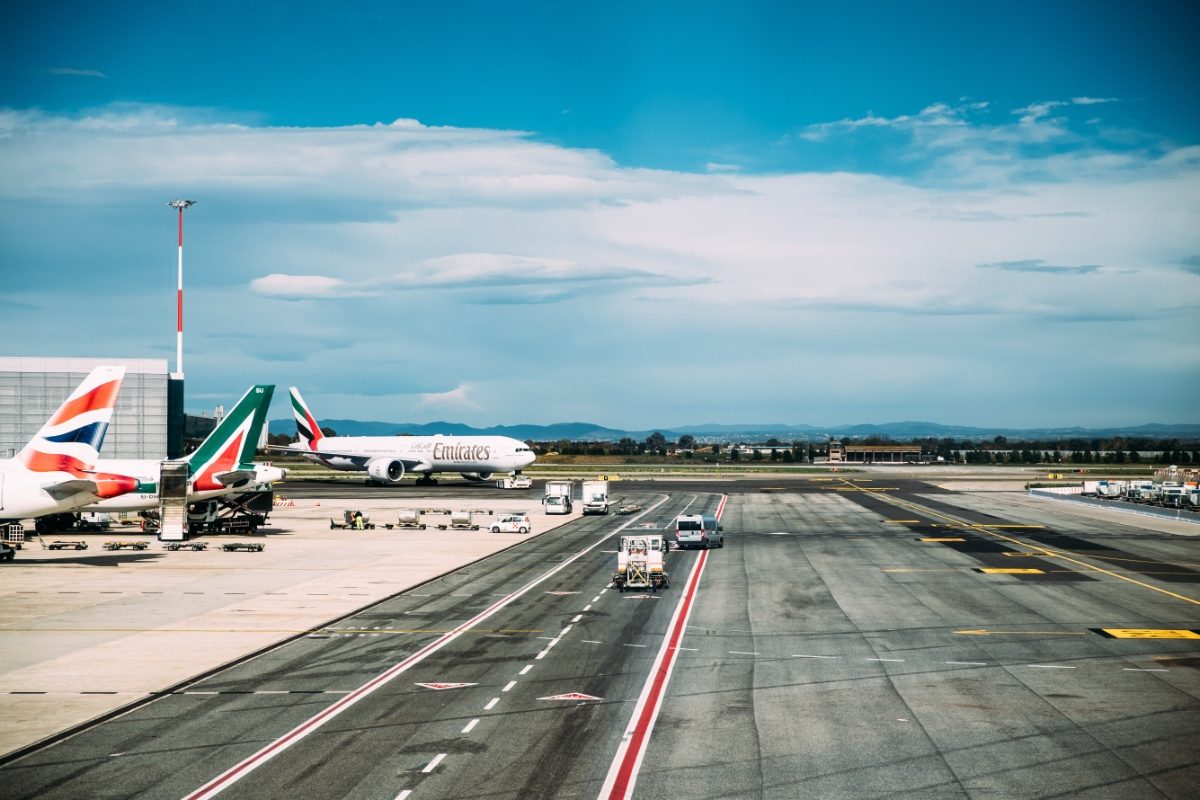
306 423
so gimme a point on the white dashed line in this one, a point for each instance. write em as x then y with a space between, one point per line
596 599
801 655
693 649
508 686
1049 666
634 645
1137 669
967 663
577 618
470 726
741 653
491 704
540 655
564 631
404 795
899 660
525 669
590 641
548 638
588 607
432 765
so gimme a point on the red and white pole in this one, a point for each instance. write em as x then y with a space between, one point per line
180 205
179 303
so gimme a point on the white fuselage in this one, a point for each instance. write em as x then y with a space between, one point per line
425 454
147 471
23 493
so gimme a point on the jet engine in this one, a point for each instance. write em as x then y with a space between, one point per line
476 476
386 470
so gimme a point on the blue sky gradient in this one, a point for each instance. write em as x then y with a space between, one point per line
855 213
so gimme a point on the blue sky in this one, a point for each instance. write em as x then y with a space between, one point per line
501 212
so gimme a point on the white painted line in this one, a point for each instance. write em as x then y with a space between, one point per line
801 655
693 649
491 704
525 669
1048 666
540 655
1136 669
432 765
590 641
577 618
201 692
563 631
636 645
508 686
900 660
247 765
548 638
588 607
404 795
596 599
470 726
967 663
602 591
741 653
272 691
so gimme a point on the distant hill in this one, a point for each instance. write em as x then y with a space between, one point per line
899 431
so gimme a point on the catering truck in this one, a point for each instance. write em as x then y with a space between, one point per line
557 498
595 497
640 564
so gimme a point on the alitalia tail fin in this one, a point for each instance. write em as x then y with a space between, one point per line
306 423
229 449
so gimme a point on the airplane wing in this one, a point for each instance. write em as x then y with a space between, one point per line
410 464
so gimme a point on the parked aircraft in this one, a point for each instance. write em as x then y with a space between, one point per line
386 459
222 464
57 471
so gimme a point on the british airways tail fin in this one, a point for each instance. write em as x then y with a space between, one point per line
70 440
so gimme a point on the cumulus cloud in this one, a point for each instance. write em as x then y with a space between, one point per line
302 287
456 399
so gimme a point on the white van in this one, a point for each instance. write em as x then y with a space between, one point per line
698 530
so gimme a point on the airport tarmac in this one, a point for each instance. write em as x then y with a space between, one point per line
855 637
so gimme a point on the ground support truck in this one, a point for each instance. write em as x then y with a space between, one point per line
595 497
640 564
557 497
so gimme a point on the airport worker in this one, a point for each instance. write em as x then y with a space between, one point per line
358 521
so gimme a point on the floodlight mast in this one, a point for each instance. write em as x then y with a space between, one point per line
180 205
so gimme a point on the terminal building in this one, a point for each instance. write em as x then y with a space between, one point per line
840 453
147 421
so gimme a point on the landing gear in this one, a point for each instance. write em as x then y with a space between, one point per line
427 480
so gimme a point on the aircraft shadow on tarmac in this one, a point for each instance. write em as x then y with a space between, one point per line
98 560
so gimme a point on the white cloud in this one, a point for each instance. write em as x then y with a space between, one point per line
743 274
81 73
456 399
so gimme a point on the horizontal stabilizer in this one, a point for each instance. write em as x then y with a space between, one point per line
64 489
235 478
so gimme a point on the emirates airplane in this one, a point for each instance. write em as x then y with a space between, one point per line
386 459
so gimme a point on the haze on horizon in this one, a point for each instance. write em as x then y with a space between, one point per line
628 214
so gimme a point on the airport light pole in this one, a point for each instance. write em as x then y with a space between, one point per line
180 205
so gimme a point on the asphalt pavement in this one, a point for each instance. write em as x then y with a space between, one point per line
854 638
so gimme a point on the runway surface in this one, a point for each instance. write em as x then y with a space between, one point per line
865 638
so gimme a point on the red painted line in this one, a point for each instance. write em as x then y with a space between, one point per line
232 775
623 774
721 506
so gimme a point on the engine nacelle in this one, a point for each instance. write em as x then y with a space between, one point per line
386 470
476 476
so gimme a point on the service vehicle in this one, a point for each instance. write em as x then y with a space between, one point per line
515 482
512 523
699 531
67 544
249 547
125 545
640 563
6 552
410 518
595 497
557 497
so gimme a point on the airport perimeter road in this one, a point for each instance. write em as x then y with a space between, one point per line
854 639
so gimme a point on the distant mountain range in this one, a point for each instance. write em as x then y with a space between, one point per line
584 431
